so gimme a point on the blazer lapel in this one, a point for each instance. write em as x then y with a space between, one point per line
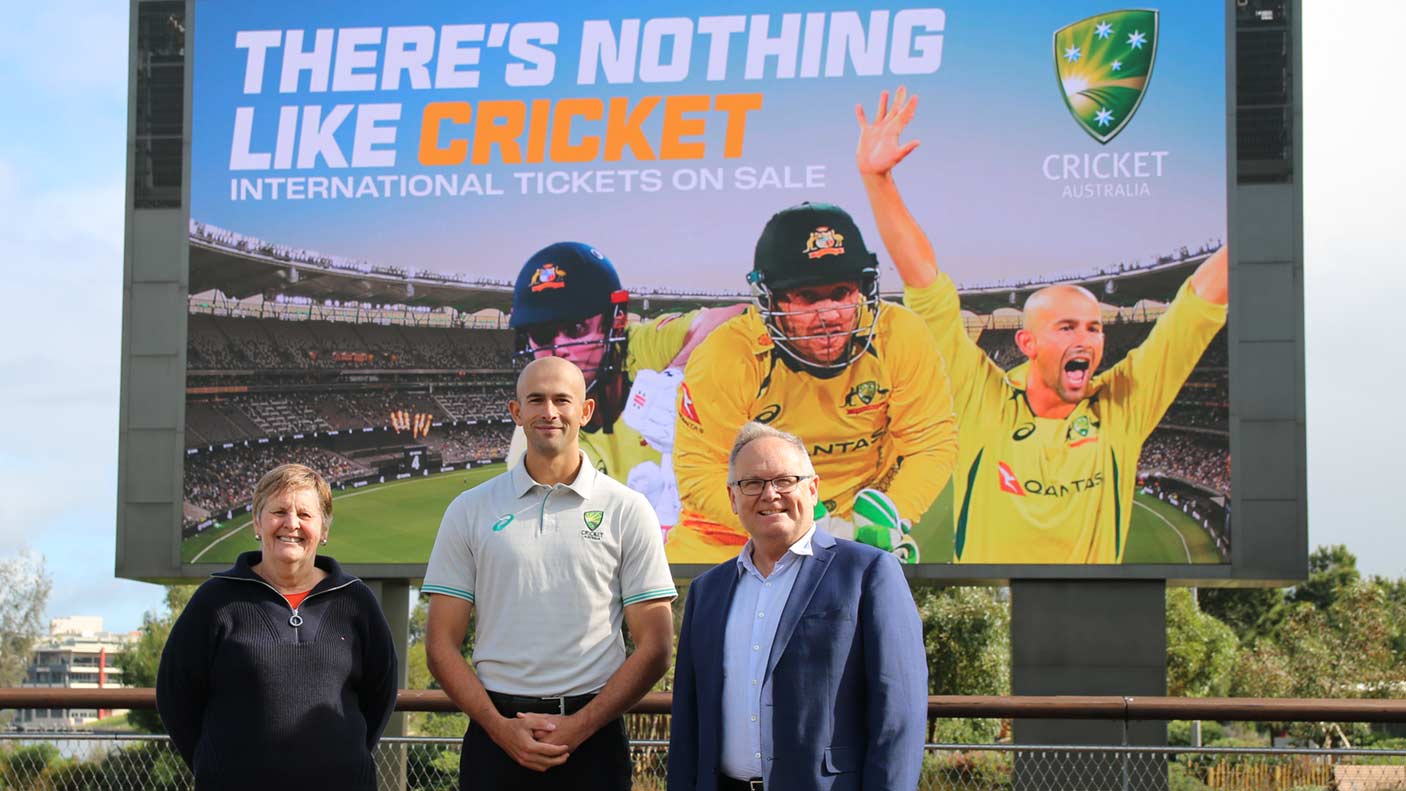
808 579
713 623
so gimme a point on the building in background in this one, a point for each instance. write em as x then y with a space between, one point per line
77 654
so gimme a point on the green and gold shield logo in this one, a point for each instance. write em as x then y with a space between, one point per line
593 519
1103 65
864 392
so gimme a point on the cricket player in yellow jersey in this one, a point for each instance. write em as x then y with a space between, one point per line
819 355
568 303
1049 450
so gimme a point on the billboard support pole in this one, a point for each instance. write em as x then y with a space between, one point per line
1086 637
394 596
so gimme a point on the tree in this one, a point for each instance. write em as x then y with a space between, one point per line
1250 612
966 632
1200 649
1332 571
141 659
418 677
1341 651
24 595
1395 593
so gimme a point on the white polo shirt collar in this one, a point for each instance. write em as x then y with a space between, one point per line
582 485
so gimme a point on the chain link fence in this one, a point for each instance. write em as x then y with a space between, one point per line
99 762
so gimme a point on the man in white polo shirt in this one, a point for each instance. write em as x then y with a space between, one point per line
549 557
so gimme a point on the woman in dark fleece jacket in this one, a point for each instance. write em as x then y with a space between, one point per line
281 672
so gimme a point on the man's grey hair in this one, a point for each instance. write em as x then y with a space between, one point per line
753 431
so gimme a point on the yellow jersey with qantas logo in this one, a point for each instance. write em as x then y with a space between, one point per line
651 345
1044 490
885 421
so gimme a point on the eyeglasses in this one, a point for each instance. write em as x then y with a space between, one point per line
781 483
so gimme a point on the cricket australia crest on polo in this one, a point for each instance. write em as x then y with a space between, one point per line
1103 65
593 521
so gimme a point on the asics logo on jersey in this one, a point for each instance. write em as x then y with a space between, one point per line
1009 482
1023 432
769 413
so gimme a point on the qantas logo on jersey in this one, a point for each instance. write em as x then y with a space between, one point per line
1010 483
686 407
848 445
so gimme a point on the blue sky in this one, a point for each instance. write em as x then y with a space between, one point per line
61 191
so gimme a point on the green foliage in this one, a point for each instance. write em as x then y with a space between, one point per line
24 593
423 723
1332 571
1341 651
1200 649
27 766
1250 612
76 776
142 658
1179 732
984 770
433 768
1395 593
966 633
1181 777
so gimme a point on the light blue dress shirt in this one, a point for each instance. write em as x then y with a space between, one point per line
751 627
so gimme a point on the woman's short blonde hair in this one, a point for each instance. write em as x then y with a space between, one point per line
294 476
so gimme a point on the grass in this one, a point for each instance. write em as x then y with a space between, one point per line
396 522
1155 536
392 522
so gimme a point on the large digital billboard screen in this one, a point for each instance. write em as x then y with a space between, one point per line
1004 346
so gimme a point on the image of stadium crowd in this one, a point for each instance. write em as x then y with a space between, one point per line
224 343
303 368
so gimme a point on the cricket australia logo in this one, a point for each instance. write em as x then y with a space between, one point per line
548 276
593 521
824 241
864 394
1103 65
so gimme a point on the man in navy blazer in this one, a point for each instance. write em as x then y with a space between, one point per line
801 663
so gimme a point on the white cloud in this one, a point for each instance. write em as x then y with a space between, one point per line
68 48
1354 283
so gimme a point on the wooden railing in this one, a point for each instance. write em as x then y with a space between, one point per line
1103 707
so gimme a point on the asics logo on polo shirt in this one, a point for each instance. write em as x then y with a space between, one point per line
503 521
